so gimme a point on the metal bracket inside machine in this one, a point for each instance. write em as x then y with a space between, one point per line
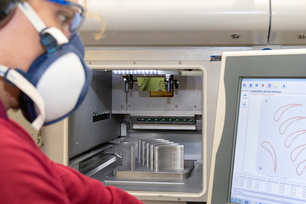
129 77
129 82
169 81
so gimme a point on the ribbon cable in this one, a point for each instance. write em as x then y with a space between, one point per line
24 85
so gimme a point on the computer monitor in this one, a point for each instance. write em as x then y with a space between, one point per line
259 153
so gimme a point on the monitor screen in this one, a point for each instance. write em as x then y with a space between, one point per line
269 162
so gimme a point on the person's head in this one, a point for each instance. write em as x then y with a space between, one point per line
20 42
22 32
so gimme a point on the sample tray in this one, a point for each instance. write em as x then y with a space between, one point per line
143 172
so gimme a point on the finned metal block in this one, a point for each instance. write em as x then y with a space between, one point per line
141 149
128 155
158 158
152 157
148 149
168 157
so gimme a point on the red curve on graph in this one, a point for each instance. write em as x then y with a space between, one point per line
273 157
290 121
302 132
286 108
302 170
298 153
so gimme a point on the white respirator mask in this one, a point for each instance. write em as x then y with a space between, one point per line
56 83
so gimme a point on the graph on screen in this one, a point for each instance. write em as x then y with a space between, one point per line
281 147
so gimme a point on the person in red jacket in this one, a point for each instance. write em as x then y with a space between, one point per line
42 72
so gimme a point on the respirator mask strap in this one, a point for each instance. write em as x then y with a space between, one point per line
39 25
14 77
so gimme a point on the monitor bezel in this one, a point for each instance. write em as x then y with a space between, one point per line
234 142
260 64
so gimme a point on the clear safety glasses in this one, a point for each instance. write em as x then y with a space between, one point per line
73 16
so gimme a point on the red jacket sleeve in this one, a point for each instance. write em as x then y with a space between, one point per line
83 189
29 176
25 173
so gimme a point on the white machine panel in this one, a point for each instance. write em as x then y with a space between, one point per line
287 22
178 22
